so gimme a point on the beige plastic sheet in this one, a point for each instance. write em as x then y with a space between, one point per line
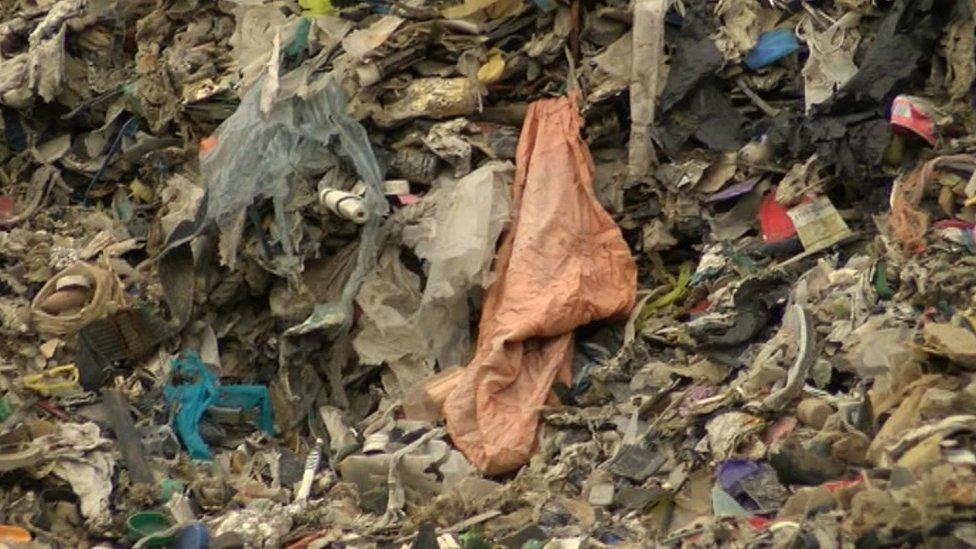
563 264
83 458
456 235
648 54
831 61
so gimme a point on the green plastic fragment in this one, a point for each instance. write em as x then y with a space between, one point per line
724 505
6 410
881 286
474 539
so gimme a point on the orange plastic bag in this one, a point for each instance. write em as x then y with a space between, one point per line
562 264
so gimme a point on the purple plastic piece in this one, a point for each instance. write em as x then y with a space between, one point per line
732 191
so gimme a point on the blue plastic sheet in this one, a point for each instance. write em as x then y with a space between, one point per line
202 391
772 46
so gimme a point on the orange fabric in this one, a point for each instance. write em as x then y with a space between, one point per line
908 222
562 264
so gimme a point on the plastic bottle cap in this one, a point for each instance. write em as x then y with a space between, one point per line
147 523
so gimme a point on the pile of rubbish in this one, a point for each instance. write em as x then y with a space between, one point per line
487 273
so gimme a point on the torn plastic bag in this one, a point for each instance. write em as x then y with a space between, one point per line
251 43
852 144
563 264
256 156
388 328
204 391
831 60
695 60
46 67
459 248
740 24
86 460
708 115
418 470
408 329
958 43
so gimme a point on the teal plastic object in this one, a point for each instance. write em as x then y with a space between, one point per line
198 390
301 37
771 47
168 487
149 523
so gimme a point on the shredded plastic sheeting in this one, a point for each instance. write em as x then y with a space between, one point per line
831 59
259 156
563 264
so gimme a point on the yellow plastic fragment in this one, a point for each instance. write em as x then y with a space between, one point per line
141 191
316 7
492 70
55 380
680 285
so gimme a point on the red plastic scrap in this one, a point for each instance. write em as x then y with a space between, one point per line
837 485
758 523
6 207
774 223
701 307
53 410
909 114
952 224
